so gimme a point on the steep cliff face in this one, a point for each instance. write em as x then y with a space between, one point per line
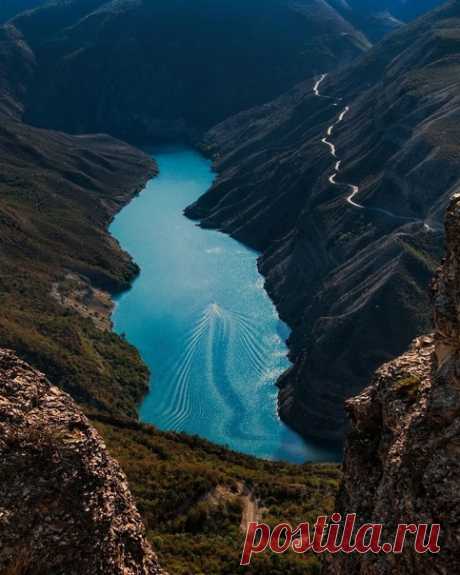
349 277
65 506
402 457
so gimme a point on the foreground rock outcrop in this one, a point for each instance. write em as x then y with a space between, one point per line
65 506
402 459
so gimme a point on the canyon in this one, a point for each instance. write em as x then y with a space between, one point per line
351 283
348 247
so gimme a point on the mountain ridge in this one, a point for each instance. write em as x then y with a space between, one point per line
275 47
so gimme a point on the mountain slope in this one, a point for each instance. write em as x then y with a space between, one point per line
206 60
376 18
58 194
404 10
10 8
350 280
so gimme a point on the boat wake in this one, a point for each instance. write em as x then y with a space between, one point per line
220 343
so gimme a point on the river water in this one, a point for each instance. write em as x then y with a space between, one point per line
202 321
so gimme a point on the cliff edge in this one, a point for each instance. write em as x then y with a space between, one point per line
65 506
402 457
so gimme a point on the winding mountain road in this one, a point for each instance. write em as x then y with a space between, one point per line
329 132
318 84
351 199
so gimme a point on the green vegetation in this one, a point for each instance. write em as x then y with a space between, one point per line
56 198
424 257
188 493
97 368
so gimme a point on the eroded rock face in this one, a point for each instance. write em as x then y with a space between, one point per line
65 506
447 297
402 461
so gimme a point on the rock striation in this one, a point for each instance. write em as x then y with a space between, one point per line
65 506
402 456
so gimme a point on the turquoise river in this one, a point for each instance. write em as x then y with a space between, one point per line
202 321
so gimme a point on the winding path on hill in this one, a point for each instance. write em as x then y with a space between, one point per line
351 199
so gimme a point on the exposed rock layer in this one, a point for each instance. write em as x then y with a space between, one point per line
65 506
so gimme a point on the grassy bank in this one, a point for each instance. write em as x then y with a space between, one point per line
190 495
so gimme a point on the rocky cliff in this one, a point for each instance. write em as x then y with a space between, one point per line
65 506
402 456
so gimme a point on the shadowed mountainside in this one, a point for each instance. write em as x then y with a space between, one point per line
404 10
58 194
350 281
58 268
10 8
146 70
376 18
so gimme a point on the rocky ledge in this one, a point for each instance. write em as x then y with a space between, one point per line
65 506
402 459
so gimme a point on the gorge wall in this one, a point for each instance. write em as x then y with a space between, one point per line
351 281
149 71
65 506
352 285
402 455
272 191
